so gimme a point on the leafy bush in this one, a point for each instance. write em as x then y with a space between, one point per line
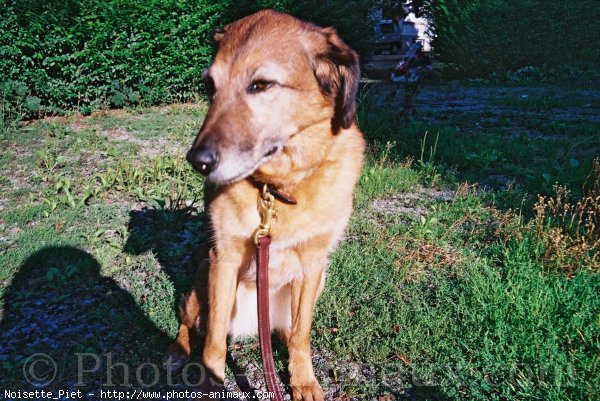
14 103
87 54
350 18
496 36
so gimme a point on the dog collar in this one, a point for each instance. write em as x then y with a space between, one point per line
280 196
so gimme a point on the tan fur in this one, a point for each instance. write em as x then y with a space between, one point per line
309 117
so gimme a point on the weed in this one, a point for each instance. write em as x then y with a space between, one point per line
163 177
50 162
422 255
431 175
58 277
570 230
14 105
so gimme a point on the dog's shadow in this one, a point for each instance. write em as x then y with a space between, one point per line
178 237
173 235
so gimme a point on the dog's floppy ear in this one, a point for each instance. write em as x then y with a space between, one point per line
338 73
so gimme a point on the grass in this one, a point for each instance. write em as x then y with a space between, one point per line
441 291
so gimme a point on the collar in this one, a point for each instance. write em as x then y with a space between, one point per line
280 196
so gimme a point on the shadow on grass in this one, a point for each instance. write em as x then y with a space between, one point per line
176 236
65 325
424 393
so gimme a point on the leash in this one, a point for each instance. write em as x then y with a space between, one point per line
262 239
264 327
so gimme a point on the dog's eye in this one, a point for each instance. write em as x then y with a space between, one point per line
260 85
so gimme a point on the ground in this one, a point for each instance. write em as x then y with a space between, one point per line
443 289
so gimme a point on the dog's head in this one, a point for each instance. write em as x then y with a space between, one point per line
273 77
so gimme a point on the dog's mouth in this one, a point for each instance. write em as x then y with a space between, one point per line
243 172
271 152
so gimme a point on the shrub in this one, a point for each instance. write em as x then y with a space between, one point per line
87 54
14 103
496 36
350 17
91 54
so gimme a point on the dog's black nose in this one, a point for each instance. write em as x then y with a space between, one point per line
204 159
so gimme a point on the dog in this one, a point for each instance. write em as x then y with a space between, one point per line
282 113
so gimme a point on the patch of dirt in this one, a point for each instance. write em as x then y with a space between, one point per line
474 108
147 147
331 367
7 233
410 203
328 369
20 175
495 182
77 118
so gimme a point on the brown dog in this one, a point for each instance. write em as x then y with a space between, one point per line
282 112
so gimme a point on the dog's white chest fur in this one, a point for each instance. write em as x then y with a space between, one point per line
244 317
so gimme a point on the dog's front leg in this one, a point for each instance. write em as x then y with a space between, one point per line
305 292
191 306
222 287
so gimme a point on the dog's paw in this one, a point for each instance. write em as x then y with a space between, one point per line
308 392
175 358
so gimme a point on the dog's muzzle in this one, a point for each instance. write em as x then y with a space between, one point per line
204 159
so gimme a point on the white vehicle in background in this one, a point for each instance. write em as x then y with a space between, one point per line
388 36
394 36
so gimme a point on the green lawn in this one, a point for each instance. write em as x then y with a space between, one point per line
441 290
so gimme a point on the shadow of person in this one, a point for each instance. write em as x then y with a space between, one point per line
423 393
64 325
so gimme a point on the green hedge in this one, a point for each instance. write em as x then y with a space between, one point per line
494 36
349 17
88 54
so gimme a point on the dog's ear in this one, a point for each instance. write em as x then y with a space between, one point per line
338 73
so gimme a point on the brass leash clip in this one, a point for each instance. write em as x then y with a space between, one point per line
267 212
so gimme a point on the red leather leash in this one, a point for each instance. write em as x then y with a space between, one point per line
264 324
262 238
